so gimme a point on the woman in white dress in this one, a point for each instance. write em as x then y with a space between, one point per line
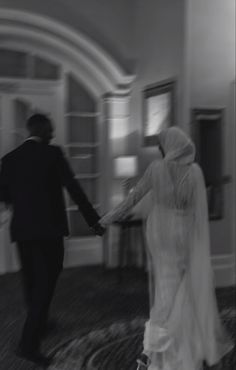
184 327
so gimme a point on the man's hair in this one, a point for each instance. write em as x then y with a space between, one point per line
37 124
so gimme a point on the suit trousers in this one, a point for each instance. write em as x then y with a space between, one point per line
41 262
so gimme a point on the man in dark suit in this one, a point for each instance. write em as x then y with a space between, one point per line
32 179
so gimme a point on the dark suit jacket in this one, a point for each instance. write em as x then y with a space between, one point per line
32 178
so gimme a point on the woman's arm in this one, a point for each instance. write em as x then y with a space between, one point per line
142 187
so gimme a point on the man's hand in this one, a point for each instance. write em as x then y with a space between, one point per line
98 229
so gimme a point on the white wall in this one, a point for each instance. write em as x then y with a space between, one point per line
159 45
212 51
210 55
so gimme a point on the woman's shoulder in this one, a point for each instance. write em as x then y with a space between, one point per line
197 173
196 168
157 163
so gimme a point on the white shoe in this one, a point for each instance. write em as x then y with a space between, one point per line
143 362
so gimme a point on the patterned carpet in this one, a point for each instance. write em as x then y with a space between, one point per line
117 347
100 320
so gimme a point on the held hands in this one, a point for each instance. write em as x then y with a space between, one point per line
98 229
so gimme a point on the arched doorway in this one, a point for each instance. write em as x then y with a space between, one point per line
84 69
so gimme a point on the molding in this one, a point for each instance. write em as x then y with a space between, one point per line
46 37
26 86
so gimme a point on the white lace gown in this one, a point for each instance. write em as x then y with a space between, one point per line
184 327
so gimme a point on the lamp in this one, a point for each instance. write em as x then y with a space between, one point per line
125 168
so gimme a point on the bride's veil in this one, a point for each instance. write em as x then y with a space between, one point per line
200 279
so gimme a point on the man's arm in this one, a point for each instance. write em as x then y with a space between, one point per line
77 194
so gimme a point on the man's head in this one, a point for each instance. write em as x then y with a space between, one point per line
41 126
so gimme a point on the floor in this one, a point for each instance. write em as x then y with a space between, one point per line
86 299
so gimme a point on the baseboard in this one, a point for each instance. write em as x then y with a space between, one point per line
224 267
89 251
78 252
224 270
83 251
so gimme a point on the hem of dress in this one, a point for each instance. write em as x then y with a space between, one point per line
223 353
156 338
